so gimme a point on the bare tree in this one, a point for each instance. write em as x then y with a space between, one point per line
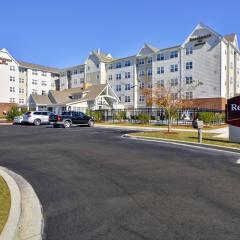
170 99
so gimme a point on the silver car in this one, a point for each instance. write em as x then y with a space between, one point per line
18 120
37 117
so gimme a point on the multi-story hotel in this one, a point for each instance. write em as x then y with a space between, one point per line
204 56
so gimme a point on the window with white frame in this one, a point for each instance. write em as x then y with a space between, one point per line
127 87
21 90
141 61
189 95
118 65
141 98
75 71
110 77
44 92
34 91
12 79
141 73
189 80
118 76
160 57
189 51
189 65
149 72
34 72
160 70
12 89
127 99
174 68
174 82
118 88
12 68
161 83
149 85
44 74
44 83
21 101
81 70
110 66
174 54
21 80
12 100
34 82
127 63
127 75
149 60
141 85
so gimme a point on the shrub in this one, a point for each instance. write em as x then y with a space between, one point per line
14 112
211 117
97 115
143 117
121 115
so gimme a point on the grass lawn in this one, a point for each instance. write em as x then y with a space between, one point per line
5 202
161 126
208 138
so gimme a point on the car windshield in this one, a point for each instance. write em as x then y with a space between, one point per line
66 114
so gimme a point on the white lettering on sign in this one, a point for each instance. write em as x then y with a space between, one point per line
235 107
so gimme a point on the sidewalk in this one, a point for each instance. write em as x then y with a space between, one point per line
219 131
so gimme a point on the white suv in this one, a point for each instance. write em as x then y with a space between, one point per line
37 117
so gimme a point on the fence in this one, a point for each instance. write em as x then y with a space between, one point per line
158 116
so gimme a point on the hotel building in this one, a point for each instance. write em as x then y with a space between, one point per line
204 56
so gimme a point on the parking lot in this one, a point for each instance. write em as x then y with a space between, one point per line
95 184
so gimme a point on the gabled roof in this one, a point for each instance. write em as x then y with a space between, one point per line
103 57
230 37
38 67
147 49
41 100
154 49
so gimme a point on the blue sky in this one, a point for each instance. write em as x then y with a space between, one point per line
61 33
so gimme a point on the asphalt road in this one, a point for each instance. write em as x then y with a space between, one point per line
94 184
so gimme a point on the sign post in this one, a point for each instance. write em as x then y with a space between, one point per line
233 118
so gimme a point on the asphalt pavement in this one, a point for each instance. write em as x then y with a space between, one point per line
95 184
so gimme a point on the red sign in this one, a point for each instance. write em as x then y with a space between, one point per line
233 111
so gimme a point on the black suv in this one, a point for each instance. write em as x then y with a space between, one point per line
67 119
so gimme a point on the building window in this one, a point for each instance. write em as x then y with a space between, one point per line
34 91
174 68
12 89
141 61
127 99
160 57
189 65
34 82
118 88
174 82
97 77
161 83
141 73
21 80
21 90
12 68
44 92
97 65
110 66
34 72
12 79
189 51
189 80
12 100
44 83
149 60
127 87
128 63
118 76
44 74
189 95
118 65
127 75
141 86
174 54
149 85
109 77
75 71
149 72
141 98
160 70
21 101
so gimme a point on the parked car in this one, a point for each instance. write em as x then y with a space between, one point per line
37 117
18 120
67 119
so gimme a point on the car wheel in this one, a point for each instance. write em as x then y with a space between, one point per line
55 125
90 123
37 122
67 124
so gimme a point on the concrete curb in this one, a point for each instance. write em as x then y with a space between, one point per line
10 229
185 143
5 124
30 225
